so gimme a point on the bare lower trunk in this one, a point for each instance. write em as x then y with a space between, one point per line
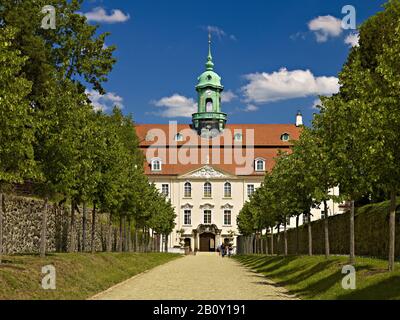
352 243
392 222
2 208
166 243
285 240
92 240
310 251
84 222
278 241
326 230
129 238
43 233
136 240
272 241
121 234
297 234
72 228
110 233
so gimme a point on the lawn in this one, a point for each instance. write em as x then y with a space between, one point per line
317 278
78 275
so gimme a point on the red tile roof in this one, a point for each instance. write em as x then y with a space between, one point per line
267 143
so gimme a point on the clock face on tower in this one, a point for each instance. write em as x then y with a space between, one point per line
209 92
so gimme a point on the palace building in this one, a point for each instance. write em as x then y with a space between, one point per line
209 168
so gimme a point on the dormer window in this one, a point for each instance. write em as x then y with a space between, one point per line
179 137
285 137
260 165
149 137
238 137
156 165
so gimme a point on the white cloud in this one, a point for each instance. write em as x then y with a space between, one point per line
219 32
325 27
228 96
250 108
104 102
176 106
316 103
283 85
352 39
100 15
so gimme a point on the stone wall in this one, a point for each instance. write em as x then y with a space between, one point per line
22 227
371 236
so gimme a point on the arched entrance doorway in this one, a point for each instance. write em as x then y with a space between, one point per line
207 242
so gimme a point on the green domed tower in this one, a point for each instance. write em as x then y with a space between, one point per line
209 89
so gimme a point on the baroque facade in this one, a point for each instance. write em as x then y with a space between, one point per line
209 168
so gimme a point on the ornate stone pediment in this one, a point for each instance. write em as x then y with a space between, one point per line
207 206
207 228
207 172
227 206
187 206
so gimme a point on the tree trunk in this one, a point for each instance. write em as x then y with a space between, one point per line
326 230
72 228
2 209
84 222
310 251
110 233
166 243
92 240
392 234
272 241
136 240
285 240
278 240
297 234
129 240
352 244
43 233
121 234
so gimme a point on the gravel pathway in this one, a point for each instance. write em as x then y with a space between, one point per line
205 276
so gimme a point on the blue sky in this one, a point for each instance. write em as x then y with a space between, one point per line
274 57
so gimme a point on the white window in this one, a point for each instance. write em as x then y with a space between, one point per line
187 217
260 165
207 216
179 137
285 137
207 190
323 214
227 190
227 217
187 190
305 218
156 165
250 190
165 190
209 105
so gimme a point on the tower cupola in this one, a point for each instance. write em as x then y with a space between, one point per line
209 89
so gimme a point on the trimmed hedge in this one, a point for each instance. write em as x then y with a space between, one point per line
371 224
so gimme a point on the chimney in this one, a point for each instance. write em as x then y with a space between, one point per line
299 119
